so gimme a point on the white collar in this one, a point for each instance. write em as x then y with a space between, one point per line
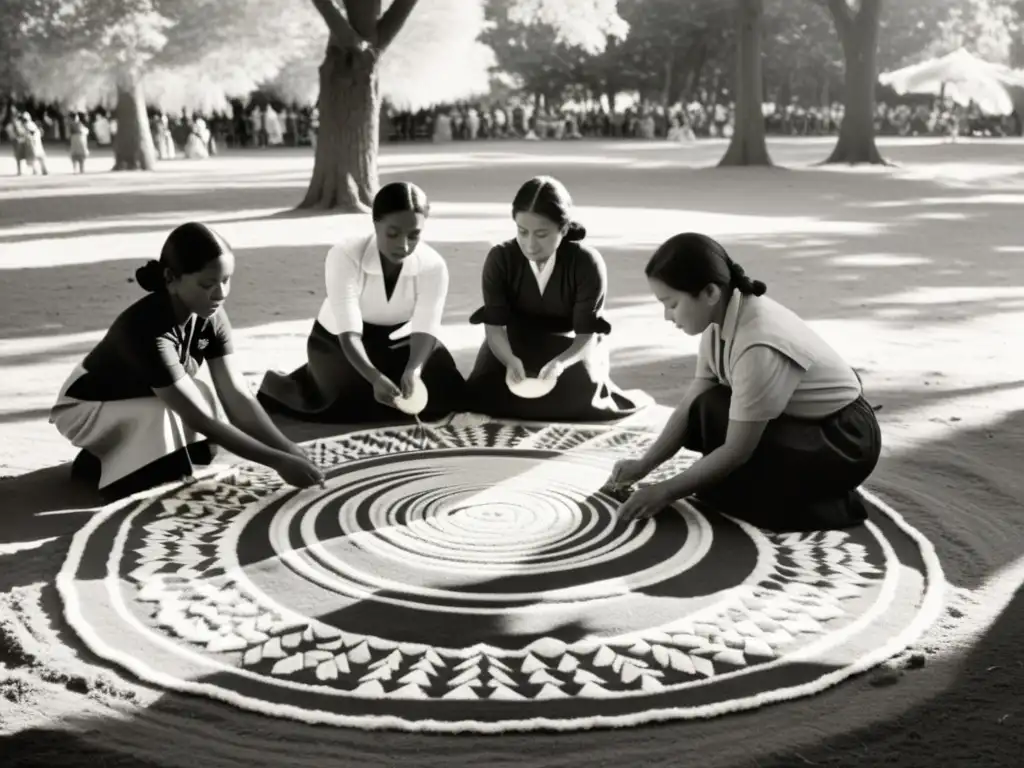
370 262
546 269
732 315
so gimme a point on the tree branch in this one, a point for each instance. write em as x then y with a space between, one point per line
363 16
336 22
392 21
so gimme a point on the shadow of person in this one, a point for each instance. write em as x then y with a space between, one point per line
42 504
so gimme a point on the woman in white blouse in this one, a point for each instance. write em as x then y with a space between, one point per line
378 286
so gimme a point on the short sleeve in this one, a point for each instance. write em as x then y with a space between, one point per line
495 284
591 277
763 383
344 279
218 336
155 361
431 293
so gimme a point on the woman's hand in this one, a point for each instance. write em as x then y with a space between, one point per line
627 472
297 450
410 379
552 370
298 471
385 391
643 503
517 370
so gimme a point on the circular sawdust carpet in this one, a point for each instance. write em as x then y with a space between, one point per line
474 577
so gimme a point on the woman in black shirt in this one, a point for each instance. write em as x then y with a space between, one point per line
134 406
544 294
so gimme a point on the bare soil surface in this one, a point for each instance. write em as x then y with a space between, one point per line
915 273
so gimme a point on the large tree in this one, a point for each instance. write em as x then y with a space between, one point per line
874 37
175 54
436 58
360 31
857 28
93 47
747 145
345 169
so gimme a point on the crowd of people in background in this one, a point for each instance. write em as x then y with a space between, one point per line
701 118
30 127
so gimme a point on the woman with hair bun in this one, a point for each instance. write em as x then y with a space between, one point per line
360 361
544 294
134 407
780 419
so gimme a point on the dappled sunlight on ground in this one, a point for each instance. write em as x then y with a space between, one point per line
877 262
640 228
913 272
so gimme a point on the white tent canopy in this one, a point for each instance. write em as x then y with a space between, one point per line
962 77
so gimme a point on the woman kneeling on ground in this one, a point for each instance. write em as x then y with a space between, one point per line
376 338
544 293
779 417
134 407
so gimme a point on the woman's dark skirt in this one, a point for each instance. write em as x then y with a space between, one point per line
584 392
804 473
329 390
173 467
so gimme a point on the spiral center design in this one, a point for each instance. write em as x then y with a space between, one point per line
496 531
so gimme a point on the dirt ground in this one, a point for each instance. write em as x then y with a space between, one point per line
916 273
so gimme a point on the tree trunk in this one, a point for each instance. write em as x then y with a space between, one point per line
692 85
858 33
345 169
666 87
133 144
747 146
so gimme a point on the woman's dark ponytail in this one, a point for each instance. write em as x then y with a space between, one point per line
744 284
690 262
150 276
574 232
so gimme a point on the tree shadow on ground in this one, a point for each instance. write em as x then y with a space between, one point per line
134 202
851 266
141 227
680 181
899 250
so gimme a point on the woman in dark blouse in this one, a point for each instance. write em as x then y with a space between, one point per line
544 293
134 407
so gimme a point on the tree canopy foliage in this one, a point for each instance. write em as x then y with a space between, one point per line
196 54
186 53
675 46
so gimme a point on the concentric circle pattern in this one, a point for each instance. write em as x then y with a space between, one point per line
475 577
